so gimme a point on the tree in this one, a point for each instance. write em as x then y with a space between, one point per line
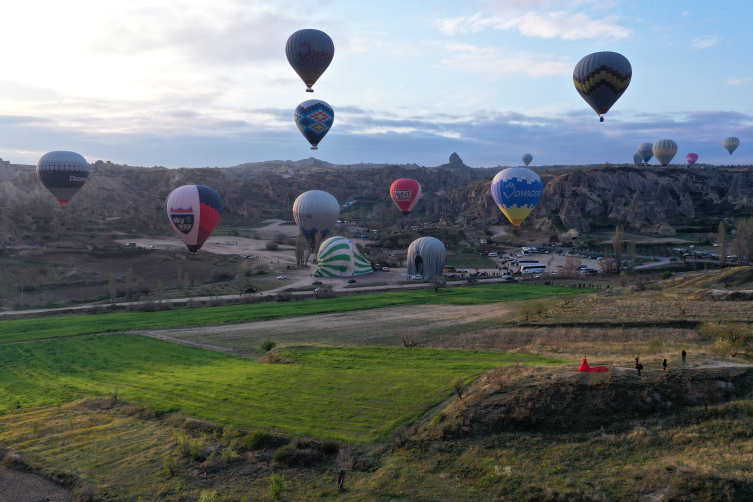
112 287
727 280
409 338
722 241
732 338
742 246
459 387
344 461
617 243
129 278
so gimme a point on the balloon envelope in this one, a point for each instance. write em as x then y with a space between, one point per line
405 193
646 151
426 257
601 78
637 158
731 144
516 191
314 119
692 158
309 52
194 212
527 158
63 174
664 151
315 212
339 257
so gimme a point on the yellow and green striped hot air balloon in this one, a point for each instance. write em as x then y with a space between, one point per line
339 257
731 144
664 151
601 78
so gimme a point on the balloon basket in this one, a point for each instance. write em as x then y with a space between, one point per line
314 148
601 119
309 90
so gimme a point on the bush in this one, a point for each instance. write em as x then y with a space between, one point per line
439 418
276 486
271 246
222 275
188 446
170 465
267 345
655 345
229 455
283 296
666 275
329 447
209 496
290 456
257 441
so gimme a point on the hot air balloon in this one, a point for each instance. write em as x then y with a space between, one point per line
426 256
601 78
339 257
664 151
637 158
692 158
516 191
314 119
405 192
646 151
309 52
527 158
194 212
315 212
63 174
731 144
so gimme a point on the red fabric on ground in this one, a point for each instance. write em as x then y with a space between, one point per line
595 369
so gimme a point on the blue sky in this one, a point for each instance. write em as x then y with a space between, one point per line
195 83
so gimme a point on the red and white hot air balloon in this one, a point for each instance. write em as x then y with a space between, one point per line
405 192
692 158
194 212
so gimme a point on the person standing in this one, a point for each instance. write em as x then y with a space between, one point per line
665 365
683 356
638 365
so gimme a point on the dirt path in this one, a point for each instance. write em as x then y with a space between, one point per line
366 327
23 487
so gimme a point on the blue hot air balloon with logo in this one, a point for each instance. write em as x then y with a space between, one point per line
516 191
314 119
309 52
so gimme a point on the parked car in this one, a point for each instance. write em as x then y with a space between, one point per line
351 281
250 290
318 290
416 277
316 283
385 269
471 279
280 277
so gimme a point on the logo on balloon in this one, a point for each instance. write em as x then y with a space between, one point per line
78 179
400 195
314 54
183 222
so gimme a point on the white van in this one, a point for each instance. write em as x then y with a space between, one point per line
492 255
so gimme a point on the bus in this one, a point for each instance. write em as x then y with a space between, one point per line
532 269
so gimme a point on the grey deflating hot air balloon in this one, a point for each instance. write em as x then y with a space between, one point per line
426 257
309 52
63 174
527 158
646 151
637 160
601 78
315 213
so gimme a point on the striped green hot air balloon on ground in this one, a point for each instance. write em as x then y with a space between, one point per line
731 144
339 257
601 78
664 151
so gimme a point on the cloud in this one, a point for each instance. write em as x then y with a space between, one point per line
496 62
557 24
704 42
738 81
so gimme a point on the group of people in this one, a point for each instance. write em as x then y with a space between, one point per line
639 366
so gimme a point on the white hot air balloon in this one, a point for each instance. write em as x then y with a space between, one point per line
316 212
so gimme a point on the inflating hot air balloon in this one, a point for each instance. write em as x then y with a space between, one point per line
63 174
315 212
309 52
527 158
194 212
516 191
601 78
405 192
637 159
314 119
664 151
731 144
692 158
646 151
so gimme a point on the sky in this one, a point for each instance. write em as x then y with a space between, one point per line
195 83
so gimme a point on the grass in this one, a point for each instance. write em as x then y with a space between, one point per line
354 394
53 327
469 260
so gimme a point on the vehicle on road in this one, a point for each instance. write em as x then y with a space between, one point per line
316 283
385 269
281 277
415 277
351 281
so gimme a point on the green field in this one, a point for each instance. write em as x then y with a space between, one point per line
72 325
354 394
470 260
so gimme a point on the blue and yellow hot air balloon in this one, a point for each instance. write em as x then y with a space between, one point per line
516 191
601 78
731 144
664 151
314 119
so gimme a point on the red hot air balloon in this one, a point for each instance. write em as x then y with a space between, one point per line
194 212
405 192
692 158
